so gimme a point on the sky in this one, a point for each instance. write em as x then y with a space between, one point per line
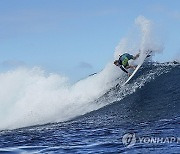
76 38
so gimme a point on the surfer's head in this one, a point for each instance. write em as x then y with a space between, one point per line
116 62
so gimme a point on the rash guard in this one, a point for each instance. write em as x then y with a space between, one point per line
123 61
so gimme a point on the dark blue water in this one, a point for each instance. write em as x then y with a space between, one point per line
152 111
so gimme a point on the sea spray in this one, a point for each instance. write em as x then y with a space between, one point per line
145 40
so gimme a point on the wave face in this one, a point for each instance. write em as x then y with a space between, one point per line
154 90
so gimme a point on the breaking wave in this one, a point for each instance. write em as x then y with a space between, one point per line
33 97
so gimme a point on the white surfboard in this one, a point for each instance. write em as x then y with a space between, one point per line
137 68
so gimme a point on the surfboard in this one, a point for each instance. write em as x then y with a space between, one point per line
137 68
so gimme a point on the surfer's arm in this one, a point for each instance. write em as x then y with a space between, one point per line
123 69
135 57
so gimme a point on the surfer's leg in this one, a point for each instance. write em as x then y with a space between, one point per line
131 66
127 67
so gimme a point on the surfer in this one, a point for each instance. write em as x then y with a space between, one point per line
122 62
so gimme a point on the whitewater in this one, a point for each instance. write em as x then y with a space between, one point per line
31 96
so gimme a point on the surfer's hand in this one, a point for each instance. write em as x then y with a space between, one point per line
129 74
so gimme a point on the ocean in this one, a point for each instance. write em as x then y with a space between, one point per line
141 117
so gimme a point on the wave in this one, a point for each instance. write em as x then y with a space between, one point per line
32 97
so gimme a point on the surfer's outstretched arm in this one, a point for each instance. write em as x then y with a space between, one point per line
135 57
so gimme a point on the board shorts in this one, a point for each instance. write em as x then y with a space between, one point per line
125 58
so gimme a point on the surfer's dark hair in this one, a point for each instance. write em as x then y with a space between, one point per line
116 62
